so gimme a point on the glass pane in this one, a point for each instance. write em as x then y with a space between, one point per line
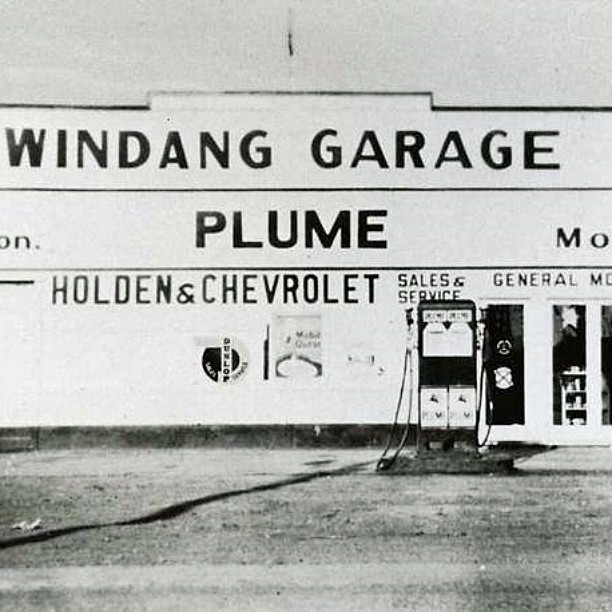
569 365
606 363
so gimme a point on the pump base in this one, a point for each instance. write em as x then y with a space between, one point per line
449 462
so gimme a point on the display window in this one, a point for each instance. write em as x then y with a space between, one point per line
569 365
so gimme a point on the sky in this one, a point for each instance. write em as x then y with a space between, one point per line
470 52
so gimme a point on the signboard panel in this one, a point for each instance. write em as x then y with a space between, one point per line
250 259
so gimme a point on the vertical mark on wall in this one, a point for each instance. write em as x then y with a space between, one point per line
290 33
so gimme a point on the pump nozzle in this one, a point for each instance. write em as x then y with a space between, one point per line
410 336
482 322
409 317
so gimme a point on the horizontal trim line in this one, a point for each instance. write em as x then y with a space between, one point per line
291 94
310 268
295 189
16 282
522 109
100 107
321 93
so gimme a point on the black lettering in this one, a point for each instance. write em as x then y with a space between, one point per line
376 154
600 240
270 289
334 157
163 293
122 289
229 288
290 286
371 278
99 152
206 279
203 227
80 289
311 288
564 241
27 142
62 154
453 139
239 242
349 288
413 149
531 150
264 159
327 298
342 226
365 227
59 288
248 289
98 299
142 289
275 241
143 149
173 152
504 153
221 154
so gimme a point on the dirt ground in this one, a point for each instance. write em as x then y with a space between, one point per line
540 539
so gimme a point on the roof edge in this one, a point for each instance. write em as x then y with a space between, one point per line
425 96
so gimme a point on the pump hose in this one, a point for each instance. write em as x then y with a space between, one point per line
481 394
384 463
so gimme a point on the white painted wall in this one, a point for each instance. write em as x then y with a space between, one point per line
78 362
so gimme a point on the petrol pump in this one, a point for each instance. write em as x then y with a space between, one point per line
469 363
447 376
